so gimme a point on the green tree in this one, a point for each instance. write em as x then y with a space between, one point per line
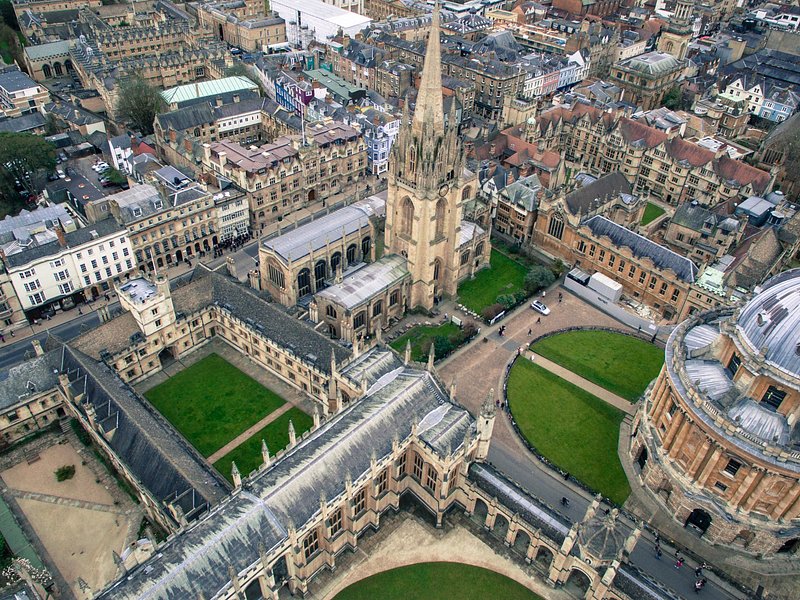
115 177
25 161
238 69
538 277
139 103
51 126
7 14
674 98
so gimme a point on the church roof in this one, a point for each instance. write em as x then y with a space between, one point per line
300 242
364 284
288 492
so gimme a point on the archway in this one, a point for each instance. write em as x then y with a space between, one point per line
46 71
57 69
178 255
698 520
303 283
577 583
641 458
68 66
312 195
522 542
789 546
500 528
480 511
166 356
544 557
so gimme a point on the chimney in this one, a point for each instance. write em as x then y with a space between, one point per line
173 136
62 239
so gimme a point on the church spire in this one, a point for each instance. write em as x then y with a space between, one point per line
429 111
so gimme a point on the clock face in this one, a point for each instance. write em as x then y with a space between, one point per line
443 190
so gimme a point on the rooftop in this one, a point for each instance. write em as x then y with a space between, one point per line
193 91
139 290
365 283
15 81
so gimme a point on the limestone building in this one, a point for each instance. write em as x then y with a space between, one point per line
428 187
647 78
675 40
716 437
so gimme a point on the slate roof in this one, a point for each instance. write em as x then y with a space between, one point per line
299 242
524 193
367 282
696 217
605 188
15 81
23 123
29 378
289 490
640 246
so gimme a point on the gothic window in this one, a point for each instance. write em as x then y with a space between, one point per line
336 260
466 194
377 308
310 544
351 254
276 276
360 501
419 463
406 216
330 311
464 257
335 523
479 249
319 274
430 478
437 267
412 160
359 320
394 298
303 282
366 246
556 227
441 209
381 483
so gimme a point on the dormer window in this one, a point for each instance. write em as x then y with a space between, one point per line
762 318
158 204
137 212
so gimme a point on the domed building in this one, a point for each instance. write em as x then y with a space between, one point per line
716 437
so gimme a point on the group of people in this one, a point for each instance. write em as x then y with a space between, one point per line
700 580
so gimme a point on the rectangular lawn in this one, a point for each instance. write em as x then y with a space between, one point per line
504 276
620 363
570 427
247 456
420 337
212 402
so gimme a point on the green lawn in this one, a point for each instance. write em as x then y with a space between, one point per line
421 338
651 213
619 363
437 581
575 430
247 456
505 276
212 402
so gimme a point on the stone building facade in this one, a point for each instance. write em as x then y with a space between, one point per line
647 78
288 174
246 26
716 436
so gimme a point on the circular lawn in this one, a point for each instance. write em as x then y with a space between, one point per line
437 581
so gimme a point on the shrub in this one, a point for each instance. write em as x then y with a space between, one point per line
469 330
520 296
491 311
507 300
558 268
65 472
538 277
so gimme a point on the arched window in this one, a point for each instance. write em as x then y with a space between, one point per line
441 211
351 254
412 160
330 311
303 283
406 216
276 276
556 226
46 71
320 271
479 249
196 132
336 260
466 193
366 246
437 269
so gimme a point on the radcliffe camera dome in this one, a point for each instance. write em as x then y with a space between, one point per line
770 322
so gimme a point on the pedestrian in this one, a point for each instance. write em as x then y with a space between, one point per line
560 296
544 293
658 553
566 476
679 562
539 320
658 538
2 338
80 312
530 331
564 501
698 571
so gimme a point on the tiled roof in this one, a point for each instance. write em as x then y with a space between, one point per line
604 189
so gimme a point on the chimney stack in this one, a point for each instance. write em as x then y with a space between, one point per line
62 238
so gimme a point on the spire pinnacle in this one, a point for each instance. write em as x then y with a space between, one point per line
429 110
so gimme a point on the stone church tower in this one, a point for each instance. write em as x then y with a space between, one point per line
675 39
428 186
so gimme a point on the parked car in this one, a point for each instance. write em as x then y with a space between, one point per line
540 307
62 156
61 174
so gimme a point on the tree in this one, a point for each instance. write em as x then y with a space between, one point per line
51 126
238 69
674 99
139 103
538 277
7 14
25 161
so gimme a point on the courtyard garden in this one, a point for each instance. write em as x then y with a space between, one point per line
620 363
445 338
651 213
437 581
211 402
505 276
570 427
247 455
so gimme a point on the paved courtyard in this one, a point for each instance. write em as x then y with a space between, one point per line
78 522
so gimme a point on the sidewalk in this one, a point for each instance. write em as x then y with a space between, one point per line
248 433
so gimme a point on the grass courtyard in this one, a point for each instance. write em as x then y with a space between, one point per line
651 213
622 364
211 402
437 581
421 338
573 429
505 276
247 456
